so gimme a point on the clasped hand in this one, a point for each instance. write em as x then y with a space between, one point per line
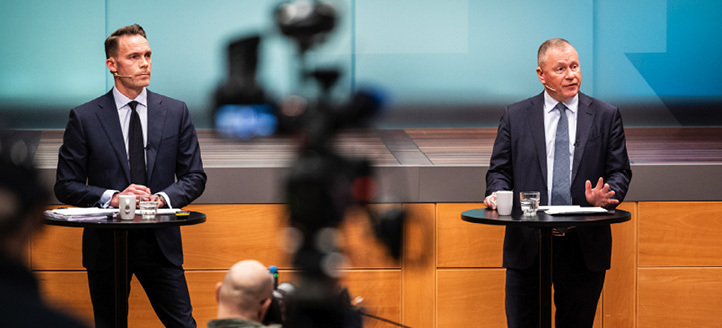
141 191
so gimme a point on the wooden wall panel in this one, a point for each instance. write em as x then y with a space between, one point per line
680 297
202 287
419 269
360 245
465 244
57 248
618 299
381 291
647 286
680 234
67 291
235 232
140 312
232 233
470 298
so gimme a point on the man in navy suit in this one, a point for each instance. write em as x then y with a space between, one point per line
523 159
96 164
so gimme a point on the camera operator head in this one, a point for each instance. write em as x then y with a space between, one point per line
244 295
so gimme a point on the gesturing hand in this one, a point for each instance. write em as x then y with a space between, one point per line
600 195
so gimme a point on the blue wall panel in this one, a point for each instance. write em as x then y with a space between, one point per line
656 59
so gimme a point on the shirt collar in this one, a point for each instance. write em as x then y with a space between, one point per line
121 100
549 102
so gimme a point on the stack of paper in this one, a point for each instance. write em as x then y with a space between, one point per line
572 209
94 213
81 213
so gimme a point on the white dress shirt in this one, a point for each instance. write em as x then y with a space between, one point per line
124 112
551 119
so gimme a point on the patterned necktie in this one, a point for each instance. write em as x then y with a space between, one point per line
136 149
561 186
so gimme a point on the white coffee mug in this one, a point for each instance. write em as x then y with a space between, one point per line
126 205
504 201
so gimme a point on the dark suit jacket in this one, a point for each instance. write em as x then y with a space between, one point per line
518 162
93 159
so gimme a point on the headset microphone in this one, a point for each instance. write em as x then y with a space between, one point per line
118 75
553 90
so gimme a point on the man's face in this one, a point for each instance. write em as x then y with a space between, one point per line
560 73
132 59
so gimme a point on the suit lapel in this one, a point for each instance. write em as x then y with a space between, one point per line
108 117
535 119
585 117
156 121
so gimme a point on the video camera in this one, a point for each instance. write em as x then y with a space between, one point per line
321 184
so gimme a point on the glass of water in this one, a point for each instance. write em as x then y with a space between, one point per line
148 209
529 202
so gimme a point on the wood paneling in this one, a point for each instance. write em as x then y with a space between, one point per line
619 303
680 297
57 248
465 244
67 291
470 298
235 232
450 274
202 287
680 234
419 270
359 243
381 292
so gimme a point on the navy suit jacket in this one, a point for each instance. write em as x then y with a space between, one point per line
518 162
93 159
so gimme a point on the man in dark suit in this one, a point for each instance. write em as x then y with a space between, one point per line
557 143
132 141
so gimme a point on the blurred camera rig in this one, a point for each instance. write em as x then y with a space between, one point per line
321 184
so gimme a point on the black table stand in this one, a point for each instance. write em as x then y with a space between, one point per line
545 223
545 277
120 247
120 237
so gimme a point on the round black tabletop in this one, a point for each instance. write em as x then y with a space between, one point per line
160 221
543 220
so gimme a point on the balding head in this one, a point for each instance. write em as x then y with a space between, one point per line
556 43
245 291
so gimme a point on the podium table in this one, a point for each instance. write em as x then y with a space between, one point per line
120 235
545 223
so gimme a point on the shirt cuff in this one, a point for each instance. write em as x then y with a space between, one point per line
166 199
107 196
